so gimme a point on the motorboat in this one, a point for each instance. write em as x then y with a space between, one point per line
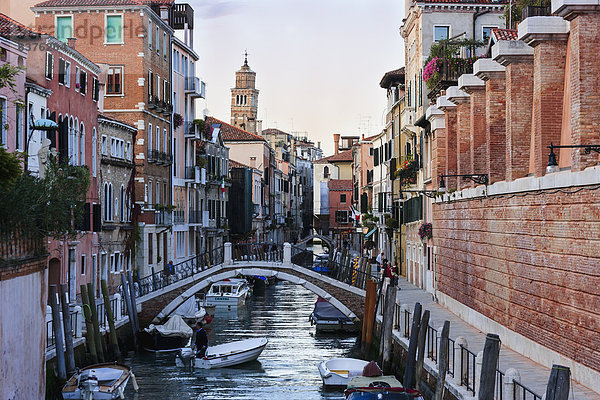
327 318
228 292
320 263
339 371
99 382
191 311
379 388
171 336
223 355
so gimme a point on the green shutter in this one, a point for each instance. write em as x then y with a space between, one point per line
114 29
64 28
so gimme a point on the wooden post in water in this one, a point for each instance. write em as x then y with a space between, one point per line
442 362
95 323
133 301
68 329
559 383
111 322
89 327
409 371
421 348
367 336
129 308
487 380
58 333
388 325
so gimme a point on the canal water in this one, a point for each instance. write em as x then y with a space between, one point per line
287 369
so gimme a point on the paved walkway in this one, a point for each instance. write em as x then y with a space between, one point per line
533 375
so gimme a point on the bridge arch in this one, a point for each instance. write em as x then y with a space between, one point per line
327 240
268 272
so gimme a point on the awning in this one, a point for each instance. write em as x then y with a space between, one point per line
422 122
370 233
44 125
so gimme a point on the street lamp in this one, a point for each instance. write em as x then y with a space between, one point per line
482 179
553 165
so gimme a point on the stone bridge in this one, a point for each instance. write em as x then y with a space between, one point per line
158 305
326 240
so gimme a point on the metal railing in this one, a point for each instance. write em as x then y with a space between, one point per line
190 172
499 385
194 216
178 216
160 279
432 343
18 245
51 339
257 252
522 392
162 217
535 11
467 375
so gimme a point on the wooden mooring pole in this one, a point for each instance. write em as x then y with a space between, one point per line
491 353
130 310
421 348
58 333
95 323
442 362
89 327
69 353
409 371
559 383
133 301
111 322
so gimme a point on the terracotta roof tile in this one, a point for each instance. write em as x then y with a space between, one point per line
505 34
274 131
109 118
390 77
9 27
465 1
236 164
233 134
339 157
340 184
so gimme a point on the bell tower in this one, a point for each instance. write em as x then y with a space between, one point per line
244 99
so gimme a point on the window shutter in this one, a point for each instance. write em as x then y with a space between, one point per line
97 217
61 71
83 83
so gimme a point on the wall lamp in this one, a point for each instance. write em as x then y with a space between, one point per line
482 179
553 165
429 193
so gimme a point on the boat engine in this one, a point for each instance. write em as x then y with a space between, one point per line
88 381
186 355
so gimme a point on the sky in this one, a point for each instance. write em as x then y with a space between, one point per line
318 62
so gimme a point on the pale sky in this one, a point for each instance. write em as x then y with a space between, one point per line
318 62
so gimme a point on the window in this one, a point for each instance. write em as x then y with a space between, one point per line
128 151
341 217
165 45
77 79
342 198
166 139
150 248
64 27
49 65
150 33
149 192
3 109
487 32
157 138
441 32
83 82
112 262
82 144
149 137
122 203
326 172
158 193
83 264
94 156
115 80
67 74
157 87
150 86
96 90
371 152
114 29
104 145
157 40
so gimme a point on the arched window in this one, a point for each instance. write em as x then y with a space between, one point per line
82 144
326 172
110 202
106 202
122 204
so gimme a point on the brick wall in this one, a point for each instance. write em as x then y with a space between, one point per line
451 148
529 263
495 127
463 148
478 131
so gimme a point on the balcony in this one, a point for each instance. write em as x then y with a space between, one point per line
535 11
195 87
191 131
195 216
178 217
163 217
151 102
190 173
183 14
450 69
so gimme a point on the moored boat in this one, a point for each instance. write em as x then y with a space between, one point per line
105 381
339 371
327 318
170 336
379 388
191 311
228 292
223 355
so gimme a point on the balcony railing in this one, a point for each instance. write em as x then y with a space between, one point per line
178 217
450 69
18 245
195 87
162 217
194 216
190 173
535 11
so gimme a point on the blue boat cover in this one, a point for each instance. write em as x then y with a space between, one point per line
325 311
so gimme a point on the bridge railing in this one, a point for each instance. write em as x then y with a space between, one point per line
351 274
160 279
257 252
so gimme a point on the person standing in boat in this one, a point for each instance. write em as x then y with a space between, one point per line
201 342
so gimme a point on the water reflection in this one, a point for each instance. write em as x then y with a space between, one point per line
287 369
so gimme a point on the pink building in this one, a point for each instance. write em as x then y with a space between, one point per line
340 200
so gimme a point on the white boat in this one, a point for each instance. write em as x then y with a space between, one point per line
223 355
171 336
228 292
99 382
339 371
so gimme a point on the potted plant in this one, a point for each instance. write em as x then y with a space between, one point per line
426 231
177 120
407 172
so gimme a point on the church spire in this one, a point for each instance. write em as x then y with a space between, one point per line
246 58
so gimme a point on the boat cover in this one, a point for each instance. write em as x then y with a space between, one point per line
105 376
325 311
175 326
190 309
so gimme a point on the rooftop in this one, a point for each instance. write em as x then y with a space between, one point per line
391 77
237 164
234 134
340 184
9 27
505 34
340 157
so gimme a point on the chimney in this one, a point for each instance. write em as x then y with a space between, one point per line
164 14
336 142
318 145
71 42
